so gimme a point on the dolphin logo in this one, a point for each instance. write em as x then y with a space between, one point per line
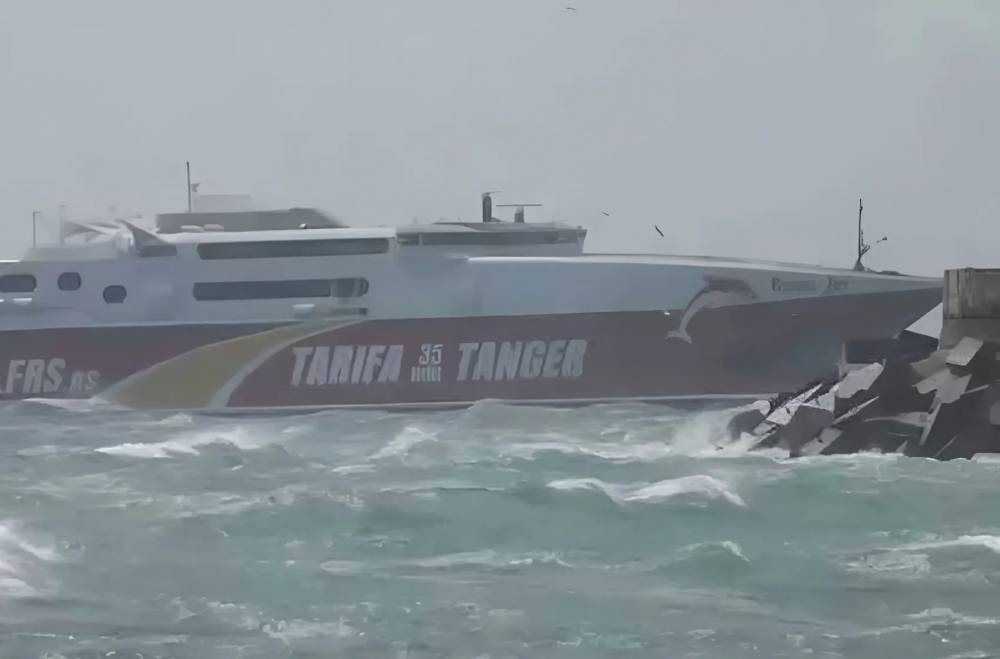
717 292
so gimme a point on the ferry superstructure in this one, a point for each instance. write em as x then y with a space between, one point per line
261 311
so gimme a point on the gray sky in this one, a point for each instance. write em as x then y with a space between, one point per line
739 128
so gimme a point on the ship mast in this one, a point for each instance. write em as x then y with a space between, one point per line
863 247
861 239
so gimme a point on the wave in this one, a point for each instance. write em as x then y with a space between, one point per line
178 420
22 563
645 440
609 451
932 620
727 547
892 563
990 542
291 630
76 405
489 558
944 614
185 444
483 558
914 560
244 617
403 443
697 485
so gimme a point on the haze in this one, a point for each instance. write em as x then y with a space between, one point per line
738 128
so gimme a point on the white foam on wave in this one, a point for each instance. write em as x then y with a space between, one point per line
929 620
610 451
80 405
345 567
185 444
704 434
153 450
644 439
483 558
697 485
946 615
354 469
596 484
913 560
22 562
489 558
892 563
859 459
244 617
990 542
232 613
179 420
10 538
727 546
403 443
292 630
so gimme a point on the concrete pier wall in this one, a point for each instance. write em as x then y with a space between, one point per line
971 305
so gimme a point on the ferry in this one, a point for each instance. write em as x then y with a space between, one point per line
291 310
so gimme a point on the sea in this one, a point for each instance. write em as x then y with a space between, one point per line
489 532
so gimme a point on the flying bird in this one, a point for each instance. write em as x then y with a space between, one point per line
605 213
570 8
658 230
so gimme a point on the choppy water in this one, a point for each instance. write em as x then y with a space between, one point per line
609 531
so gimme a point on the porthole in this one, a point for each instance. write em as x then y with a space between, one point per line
17 283
70 281
114 294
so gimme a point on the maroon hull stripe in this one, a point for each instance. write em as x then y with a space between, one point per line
716 352
79 362
734 351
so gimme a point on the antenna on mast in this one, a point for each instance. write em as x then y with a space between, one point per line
863 247
188 165
861 239
519 210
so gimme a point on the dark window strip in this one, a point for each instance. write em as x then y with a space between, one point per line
293 248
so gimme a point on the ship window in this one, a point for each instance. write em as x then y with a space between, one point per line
70 281
350 287
490 237
17 283
280 289
261 290
114 294
292 248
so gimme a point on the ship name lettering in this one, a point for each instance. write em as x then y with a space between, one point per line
39 376
511 360
346 364
792 285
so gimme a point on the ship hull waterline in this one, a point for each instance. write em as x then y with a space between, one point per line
737 352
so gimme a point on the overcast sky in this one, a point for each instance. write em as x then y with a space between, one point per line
740 128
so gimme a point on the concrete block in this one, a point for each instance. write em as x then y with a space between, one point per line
976 437
963 353
856 388
805 424
883 434
945 422
744 422
825 437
